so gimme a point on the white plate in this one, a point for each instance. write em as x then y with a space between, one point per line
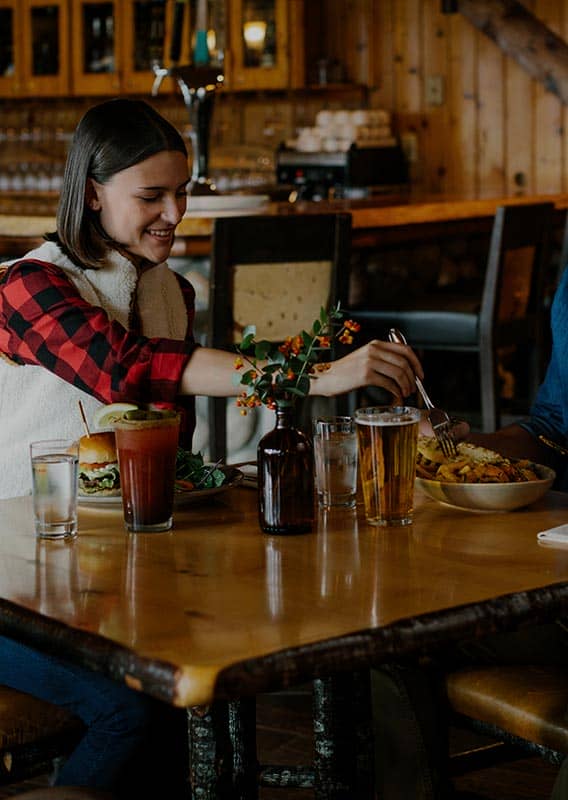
490 496
225 203
182 497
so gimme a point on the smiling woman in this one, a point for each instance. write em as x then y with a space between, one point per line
96 316
140 207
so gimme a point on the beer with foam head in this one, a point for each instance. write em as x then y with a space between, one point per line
387 438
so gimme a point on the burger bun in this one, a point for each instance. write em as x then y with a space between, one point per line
98 448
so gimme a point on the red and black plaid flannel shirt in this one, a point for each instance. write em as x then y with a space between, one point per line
45 321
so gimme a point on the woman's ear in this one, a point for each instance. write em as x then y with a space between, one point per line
92 195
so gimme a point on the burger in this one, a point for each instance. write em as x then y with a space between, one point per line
98 465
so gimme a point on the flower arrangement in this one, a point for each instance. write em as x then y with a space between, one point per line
278 374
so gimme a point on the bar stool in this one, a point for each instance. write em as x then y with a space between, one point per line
522 707
33 734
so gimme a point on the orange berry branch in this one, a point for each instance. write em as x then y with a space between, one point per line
280 373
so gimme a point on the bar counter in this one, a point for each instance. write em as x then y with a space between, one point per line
378 221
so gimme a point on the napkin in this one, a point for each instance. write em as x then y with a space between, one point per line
554 536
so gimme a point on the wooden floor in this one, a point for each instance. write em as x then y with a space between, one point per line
284 737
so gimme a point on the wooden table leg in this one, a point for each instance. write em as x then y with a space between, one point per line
222 750
242 731
210 752
343 738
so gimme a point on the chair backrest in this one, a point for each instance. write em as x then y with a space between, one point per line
275 272
512 307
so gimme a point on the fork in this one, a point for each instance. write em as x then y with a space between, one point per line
208 471
439 419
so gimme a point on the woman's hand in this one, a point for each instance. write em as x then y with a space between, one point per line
389 365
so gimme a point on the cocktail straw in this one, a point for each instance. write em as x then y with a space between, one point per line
84 418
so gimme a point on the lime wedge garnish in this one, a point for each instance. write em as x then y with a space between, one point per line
106 416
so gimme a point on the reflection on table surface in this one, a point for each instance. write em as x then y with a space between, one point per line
215 591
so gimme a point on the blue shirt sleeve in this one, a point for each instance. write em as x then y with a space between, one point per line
549 413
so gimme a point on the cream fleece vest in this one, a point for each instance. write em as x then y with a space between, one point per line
34 403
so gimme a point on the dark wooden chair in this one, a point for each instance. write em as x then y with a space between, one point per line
33 735
521 710
275 272
509 314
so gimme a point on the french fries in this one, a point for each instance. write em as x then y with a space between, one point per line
472 465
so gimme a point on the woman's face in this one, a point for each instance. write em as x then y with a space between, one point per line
141 206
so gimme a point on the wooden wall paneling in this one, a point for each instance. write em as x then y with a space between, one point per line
491 170
520 91
268 122
297 55
340 34
519 95
227 122
437 137
463 104
407 80
548 115
383 64
408 86
363 73
352 39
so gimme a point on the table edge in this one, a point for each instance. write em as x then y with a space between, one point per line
187 686
402 638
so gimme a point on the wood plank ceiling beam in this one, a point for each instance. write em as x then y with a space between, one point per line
522 36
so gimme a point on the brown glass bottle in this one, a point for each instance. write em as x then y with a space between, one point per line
285 478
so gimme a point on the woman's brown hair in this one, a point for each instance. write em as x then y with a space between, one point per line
110 137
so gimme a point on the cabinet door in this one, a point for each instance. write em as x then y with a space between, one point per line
11 54
146 23
95 36
45 47
259 56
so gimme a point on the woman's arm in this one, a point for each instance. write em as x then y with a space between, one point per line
46 322
391 366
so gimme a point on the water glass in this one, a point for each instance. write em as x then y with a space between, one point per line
54 465
335 454
387 439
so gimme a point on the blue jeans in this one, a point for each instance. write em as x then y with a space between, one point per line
117 719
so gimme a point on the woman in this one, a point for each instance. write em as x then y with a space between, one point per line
96 315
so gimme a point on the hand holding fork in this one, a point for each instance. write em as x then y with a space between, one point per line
439 419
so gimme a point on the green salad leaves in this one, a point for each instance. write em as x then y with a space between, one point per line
193 473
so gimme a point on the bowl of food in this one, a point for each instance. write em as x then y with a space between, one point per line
478 479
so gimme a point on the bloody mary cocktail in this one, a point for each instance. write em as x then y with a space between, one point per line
147 442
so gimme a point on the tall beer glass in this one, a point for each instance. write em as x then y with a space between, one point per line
387 437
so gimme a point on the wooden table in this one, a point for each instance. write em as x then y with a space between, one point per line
216 611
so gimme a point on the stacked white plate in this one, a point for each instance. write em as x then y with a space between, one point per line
225 204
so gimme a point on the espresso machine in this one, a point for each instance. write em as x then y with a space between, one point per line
198 82
356 172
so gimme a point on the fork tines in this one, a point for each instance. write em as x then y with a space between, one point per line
443 433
